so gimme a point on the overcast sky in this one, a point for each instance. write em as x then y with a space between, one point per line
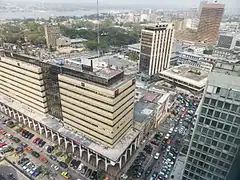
158 3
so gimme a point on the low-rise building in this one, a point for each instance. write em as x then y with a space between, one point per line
188 76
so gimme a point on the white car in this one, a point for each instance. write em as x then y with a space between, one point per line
156 156
56 167
33 170
167 136
80 167
26 166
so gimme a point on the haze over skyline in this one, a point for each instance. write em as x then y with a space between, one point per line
148 3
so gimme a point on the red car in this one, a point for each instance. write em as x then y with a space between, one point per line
2 145
2 132
36 139
43 159
169 141
22 131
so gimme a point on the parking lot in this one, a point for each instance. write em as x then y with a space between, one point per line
156 160
38 157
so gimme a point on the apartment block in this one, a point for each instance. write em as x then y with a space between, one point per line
156 47
216 137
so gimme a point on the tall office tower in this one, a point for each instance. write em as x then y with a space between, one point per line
156 47
210 19
52 33
200 7
23 82
216 137
102 110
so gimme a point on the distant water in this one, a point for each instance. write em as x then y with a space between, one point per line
44 14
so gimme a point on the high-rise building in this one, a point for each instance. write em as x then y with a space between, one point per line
96 103
102 111
210 19
216 137
200 7
156 47
52 33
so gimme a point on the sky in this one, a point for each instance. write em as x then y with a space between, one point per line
157 3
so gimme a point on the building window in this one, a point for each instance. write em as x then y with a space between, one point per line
224 137
213 102
220 125
211 151
220 145
224 156
205 149
217 153
220 104
210 112
226 147
214 142
202 139
214 123
216 114
210 133
227 106
233 130
230 118
204 110
234 108
206 100
201 119
203 156
207 121
223 116
237 120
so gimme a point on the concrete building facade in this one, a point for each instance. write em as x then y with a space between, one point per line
104 113
216 136
210 19
156 47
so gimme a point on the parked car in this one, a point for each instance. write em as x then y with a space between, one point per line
156 156
63 164
35 154
43 159
16 140
66 175
54 158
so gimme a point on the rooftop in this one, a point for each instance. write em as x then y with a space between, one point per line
224 80
143 110
78 40
55 124
187 73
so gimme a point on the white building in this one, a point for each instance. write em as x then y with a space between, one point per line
156 47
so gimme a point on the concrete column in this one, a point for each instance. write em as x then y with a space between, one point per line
59 139
53 135
97 160
106 165
46 131
120 162
14 115
81 150
29 122
66 143
125 156
130 148
89 155
24 121
35 127
73 147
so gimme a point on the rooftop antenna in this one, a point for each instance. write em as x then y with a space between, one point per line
98 29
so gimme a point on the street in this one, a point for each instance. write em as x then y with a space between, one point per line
174 129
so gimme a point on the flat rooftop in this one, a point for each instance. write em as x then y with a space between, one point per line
143 111
188 74
56 125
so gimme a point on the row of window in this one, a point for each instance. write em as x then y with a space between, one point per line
199 177
222 126
214 155
217 144
220 145
223 92
222 105
203 172
230 118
